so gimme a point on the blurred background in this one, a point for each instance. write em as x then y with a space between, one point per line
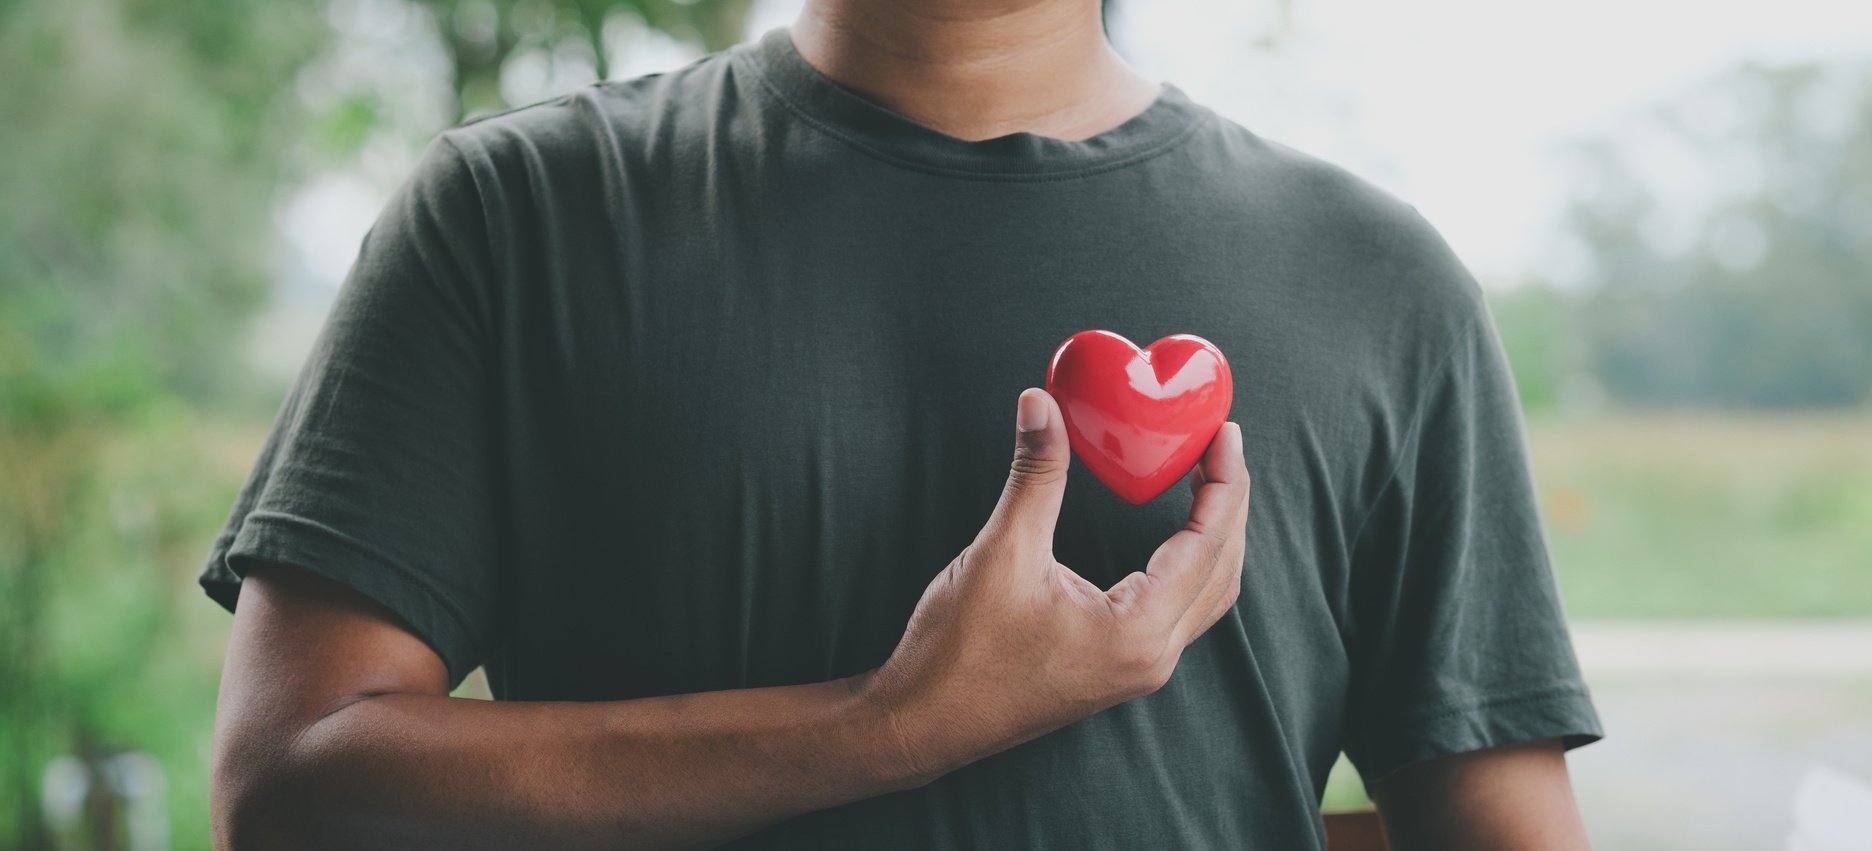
1669 202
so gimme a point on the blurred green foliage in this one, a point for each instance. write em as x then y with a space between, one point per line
147 144
142 158
1758 296
481 34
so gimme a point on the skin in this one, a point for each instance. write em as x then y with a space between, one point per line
1515 796
335 728
976 69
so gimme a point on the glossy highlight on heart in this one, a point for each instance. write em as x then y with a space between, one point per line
1139 419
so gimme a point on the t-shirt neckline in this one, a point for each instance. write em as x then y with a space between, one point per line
893 137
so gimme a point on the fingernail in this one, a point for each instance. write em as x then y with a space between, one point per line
1237 438
1030 413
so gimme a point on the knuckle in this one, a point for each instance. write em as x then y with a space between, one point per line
988 550
1030 460
1154 679
960 564
1142 664
1029 472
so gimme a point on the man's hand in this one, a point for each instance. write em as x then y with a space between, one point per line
1007 643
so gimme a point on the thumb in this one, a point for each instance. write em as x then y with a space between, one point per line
1036 484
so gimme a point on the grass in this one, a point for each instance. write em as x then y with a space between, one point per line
1663 516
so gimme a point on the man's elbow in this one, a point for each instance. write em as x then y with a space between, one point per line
259 798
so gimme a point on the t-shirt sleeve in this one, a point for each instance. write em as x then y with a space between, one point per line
380 471
1459 639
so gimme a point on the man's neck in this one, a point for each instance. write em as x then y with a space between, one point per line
977 69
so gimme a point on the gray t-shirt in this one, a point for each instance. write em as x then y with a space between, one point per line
694 381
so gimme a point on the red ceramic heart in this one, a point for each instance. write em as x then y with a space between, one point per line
1139 419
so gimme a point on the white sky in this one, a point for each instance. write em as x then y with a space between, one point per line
1454 105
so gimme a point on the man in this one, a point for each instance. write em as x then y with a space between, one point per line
678 403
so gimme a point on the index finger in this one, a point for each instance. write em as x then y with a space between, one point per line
1177 571
1224 487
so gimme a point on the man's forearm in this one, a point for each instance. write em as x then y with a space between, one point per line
398 770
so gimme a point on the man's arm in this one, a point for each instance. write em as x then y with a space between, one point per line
1516 796
335 728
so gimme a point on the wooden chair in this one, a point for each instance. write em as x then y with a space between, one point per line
1356 830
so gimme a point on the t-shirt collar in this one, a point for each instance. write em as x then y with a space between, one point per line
888 135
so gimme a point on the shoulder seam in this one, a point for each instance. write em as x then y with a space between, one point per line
463 161
1410 436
